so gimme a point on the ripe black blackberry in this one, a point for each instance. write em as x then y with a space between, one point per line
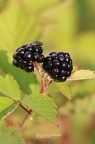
27 54
58 65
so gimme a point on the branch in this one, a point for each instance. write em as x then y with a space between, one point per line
23 122
28 111
26 117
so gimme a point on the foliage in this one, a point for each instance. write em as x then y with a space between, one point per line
62 26
9 135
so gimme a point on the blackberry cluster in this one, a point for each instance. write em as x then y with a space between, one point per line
58 65
27 54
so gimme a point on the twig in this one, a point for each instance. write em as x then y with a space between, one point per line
28 111
26 117
23 122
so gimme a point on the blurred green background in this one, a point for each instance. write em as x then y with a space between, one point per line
62 25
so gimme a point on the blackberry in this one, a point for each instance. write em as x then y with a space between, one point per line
55 71
39 50
40 59
29 48
25 55
54 57
61 58
68 73
16 63
66 55
29 68
60 54
52 53
49 65
22 63
21 52
28 56
62 79
62 73
64 65
58 65
35 56
48 58
16 56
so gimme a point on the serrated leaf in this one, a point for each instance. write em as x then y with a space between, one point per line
82 75
42 105
9 87
64 89
5 102
27 81
7 106
9 135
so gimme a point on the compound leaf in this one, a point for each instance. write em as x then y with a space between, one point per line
42 105
9 87
64 89
7 106
82 75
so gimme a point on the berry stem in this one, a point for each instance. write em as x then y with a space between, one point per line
41 77
43 88
37 69
44 85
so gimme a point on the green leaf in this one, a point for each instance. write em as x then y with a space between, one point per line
27 81
7 106
9 135
5 102
82 75
42 105
9 87
64 89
